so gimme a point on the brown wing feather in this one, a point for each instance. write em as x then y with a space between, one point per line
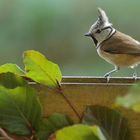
120 43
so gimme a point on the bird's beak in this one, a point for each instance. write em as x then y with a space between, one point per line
88 34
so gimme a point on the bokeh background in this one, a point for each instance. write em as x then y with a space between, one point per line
56 28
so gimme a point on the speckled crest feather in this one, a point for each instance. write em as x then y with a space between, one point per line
101 22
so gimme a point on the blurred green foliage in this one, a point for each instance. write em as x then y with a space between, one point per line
57 27
131 100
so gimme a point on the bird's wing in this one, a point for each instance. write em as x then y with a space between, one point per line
123 49
122 44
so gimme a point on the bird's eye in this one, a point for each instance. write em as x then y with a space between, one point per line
98 31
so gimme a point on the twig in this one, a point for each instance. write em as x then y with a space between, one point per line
5 135
68 101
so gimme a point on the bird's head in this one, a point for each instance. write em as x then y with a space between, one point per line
101 29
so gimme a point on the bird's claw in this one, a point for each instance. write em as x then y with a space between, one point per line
135 77
107 76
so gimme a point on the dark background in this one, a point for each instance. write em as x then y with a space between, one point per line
56 28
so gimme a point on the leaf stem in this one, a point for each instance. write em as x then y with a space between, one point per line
33 132
68 101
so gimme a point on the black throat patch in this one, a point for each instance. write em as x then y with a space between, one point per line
95 40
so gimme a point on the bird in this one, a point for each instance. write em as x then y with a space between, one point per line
117 48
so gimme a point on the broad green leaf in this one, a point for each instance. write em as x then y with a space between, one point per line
13 68
41 70
113 125
45 130
59 120
20 110
79 132
131 100
52 124
9 80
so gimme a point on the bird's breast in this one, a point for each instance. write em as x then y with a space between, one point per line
105 55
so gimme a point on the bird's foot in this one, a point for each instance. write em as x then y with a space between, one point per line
135 76
107 76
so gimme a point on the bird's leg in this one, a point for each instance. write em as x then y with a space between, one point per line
107 75
135 73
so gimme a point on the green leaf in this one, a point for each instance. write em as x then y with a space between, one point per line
80 132
9 80
113 125
13 68
131 100
51 124
41 70
59 120
20 110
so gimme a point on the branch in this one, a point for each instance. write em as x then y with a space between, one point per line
68 101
